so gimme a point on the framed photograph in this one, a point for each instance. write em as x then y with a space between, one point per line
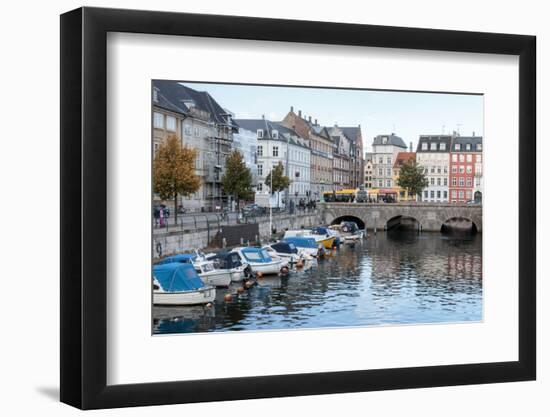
256 208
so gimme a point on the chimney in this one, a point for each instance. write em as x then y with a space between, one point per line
315 122
299 113
309 119
410 146
263 116
473 133
292 109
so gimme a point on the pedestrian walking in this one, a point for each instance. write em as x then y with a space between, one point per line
161 217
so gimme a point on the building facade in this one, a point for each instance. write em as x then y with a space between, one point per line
385 150
369 170
341 159
277 144
320 144
466 169
432 154
357 163
202 124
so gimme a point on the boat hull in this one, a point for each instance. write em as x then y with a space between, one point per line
217 278
267 268
185 298
327 242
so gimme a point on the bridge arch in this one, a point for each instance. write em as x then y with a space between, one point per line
349 218
402 222
459 224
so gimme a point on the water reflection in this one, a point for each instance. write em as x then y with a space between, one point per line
389 278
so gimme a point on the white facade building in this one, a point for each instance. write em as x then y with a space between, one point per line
432 154
277 144
384 152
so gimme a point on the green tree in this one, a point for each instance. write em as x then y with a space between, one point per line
280 180
412 178
237 180
174 171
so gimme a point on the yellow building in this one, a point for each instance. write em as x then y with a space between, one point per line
402 157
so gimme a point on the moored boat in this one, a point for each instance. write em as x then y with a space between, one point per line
284 250
205 268
326 240
179 284
259 260
232 262
306 244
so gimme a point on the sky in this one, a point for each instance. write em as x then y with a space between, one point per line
407 114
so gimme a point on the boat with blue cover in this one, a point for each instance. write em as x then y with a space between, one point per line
179 284
205 268
259 260
307 244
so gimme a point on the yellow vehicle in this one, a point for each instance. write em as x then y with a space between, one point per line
349 195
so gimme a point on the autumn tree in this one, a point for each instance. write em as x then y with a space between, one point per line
237 180
412 178
174 171
279 182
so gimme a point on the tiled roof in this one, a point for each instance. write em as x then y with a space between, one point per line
403 157
438 140
267 126
352 133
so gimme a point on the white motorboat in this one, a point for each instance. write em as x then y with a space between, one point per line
259 260
286 251
210 275
179 284
231 262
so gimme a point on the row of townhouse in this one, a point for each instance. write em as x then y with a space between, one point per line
316 158
452 164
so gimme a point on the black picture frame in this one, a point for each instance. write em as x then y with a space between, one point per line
84 207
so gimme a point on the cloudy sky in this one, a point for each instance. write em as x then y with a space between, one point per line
407 114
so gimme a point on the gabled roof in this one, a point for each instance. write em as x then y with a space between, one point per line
403 157
267 126
175 95
391 140
352 133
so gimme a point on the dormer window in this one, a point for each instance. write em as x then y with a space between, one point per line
275 134
155 95
468 147
457 146
384 140
260 133
425 146
478 147
433 146
442 146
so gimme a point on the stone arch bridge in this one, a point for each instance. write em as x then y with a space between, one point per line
429 216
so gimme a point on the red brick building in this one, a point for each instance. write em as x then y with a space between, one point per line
466 156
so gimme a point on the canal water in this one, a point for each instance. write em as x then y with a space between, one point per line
389 278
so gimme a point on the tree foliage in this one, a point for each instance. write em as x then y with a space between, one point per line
280 180
237 180
174 170
412 178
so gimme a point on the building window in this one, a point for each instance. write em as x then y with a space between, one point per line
432 181
260 170
260 150
444 182
461 158
454 181
439 170
442 146
196 132
388 172
158 120
461 182
445 169
275 134
433 146
453 169
461 194
468 195
275 151
187 130
478 147
461 169
388 183
171 123
380 172
453 193
260 186
439 181
432 170
388 160
457 146
468 182
432 194
469 157
468 169
380 160
455 157
444 195
155 95
425 194
425 146
438 194
468 147
478 158
260 133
